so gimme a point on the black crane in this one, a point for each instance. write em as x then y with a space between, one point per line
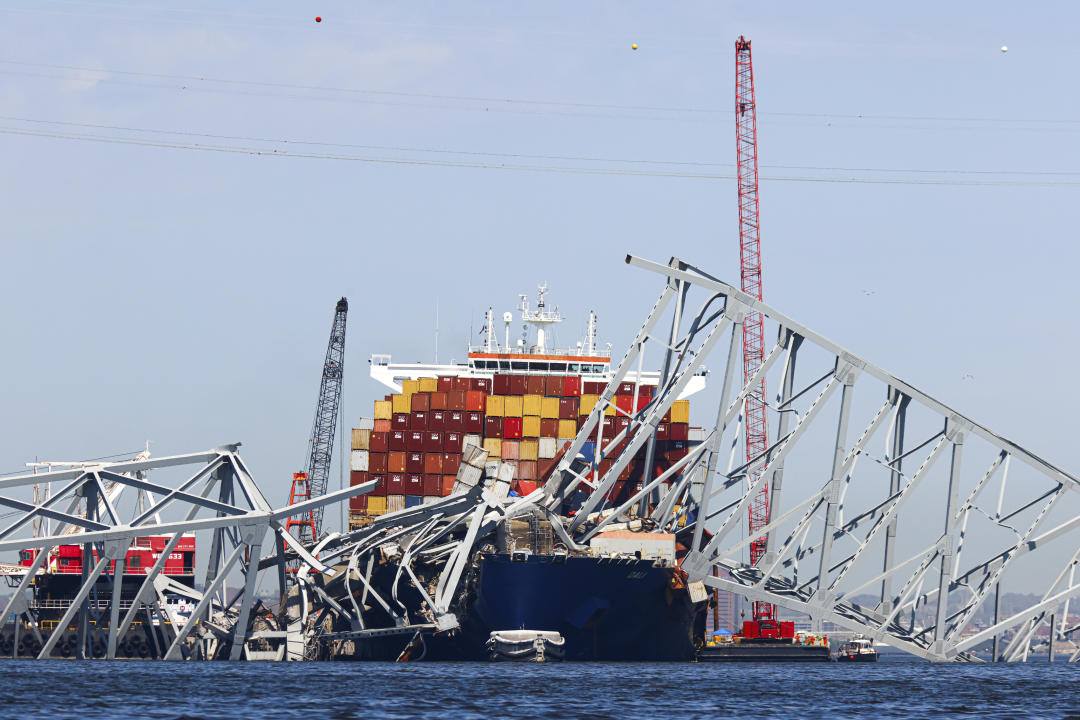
313 482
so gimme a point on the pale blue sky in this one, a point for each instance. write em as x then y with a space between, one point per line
185 296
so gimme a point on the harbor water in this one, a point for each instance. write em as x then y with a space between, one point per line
894 687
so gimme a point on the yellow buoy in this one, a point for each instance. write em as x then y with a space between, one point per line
634 46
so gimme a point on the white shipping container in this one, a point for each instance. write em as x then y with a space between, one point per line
359 460
697 435
366 424
473 440
548 448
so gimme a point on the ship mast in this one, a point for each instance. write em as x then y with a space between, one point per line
540 317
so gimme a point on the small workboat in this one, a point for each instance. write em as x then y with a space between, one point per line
525 645
858 649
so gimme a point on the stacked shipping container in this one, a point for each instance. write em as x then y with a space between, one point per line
413 444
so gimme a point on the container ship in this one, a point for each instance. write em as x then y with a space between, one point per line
523 405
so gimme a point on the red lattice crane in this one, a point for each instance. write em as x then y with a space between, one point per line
757 434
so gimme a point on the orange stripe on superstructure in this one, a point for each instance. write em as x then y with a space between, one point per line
563 358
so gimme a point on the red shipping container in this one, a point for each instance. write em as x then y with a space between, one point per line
526 469
433 442
544 468
395 484
432 484
553 386
456 400
437 420
380 489
482 384
452 442
448 484
462 383
433 464
381 426
455 422
501 383
421 402
357 477
593 387
609 427
418 421
377 462
679 431
450 463
493 427
549 428
398 441
524 487
625 403
787 629
446 383
517 385
414 462
400 421
662 431
474 423
358 503
646 391
571 387
475 401
414 441
626 388
438 401
535 384
379 443
414 484
677 450
568 407
621 423
512 428
750 628
395 462
643 402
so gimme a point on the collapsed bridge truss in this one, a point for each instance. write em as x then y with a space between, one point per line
893 515
106 508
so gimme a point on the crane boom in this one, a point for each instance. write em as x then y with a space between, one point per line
757 434
323 429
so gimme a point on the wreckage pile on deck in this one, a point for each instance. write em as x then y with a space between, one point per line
435 580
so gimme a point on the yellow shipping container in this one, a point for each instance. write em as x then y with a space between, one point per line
493 447
680 411
513 406
549 408
429 384
409 387
531 405
495 405
383 409
610 410
376 505
401 403
567 428
529 449
587 403
530 427
361 439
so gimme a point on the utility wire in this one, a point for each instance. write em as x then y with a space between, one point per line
527 168
577 158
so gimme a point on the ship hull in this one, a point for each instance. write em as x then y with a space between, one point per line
604 608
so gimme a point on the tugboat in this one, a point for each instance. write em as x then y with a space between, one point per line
858 649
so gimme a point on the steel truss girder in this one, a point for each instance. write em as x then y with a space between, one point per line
967 569
241 518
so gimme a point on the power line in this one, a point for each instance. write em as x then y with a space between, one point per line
507 101
576 158
525 168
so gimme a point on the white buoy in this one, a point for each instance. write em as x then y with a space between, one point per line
1004 48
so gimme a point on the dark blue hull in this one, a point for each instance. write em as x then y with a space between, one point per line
605 609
